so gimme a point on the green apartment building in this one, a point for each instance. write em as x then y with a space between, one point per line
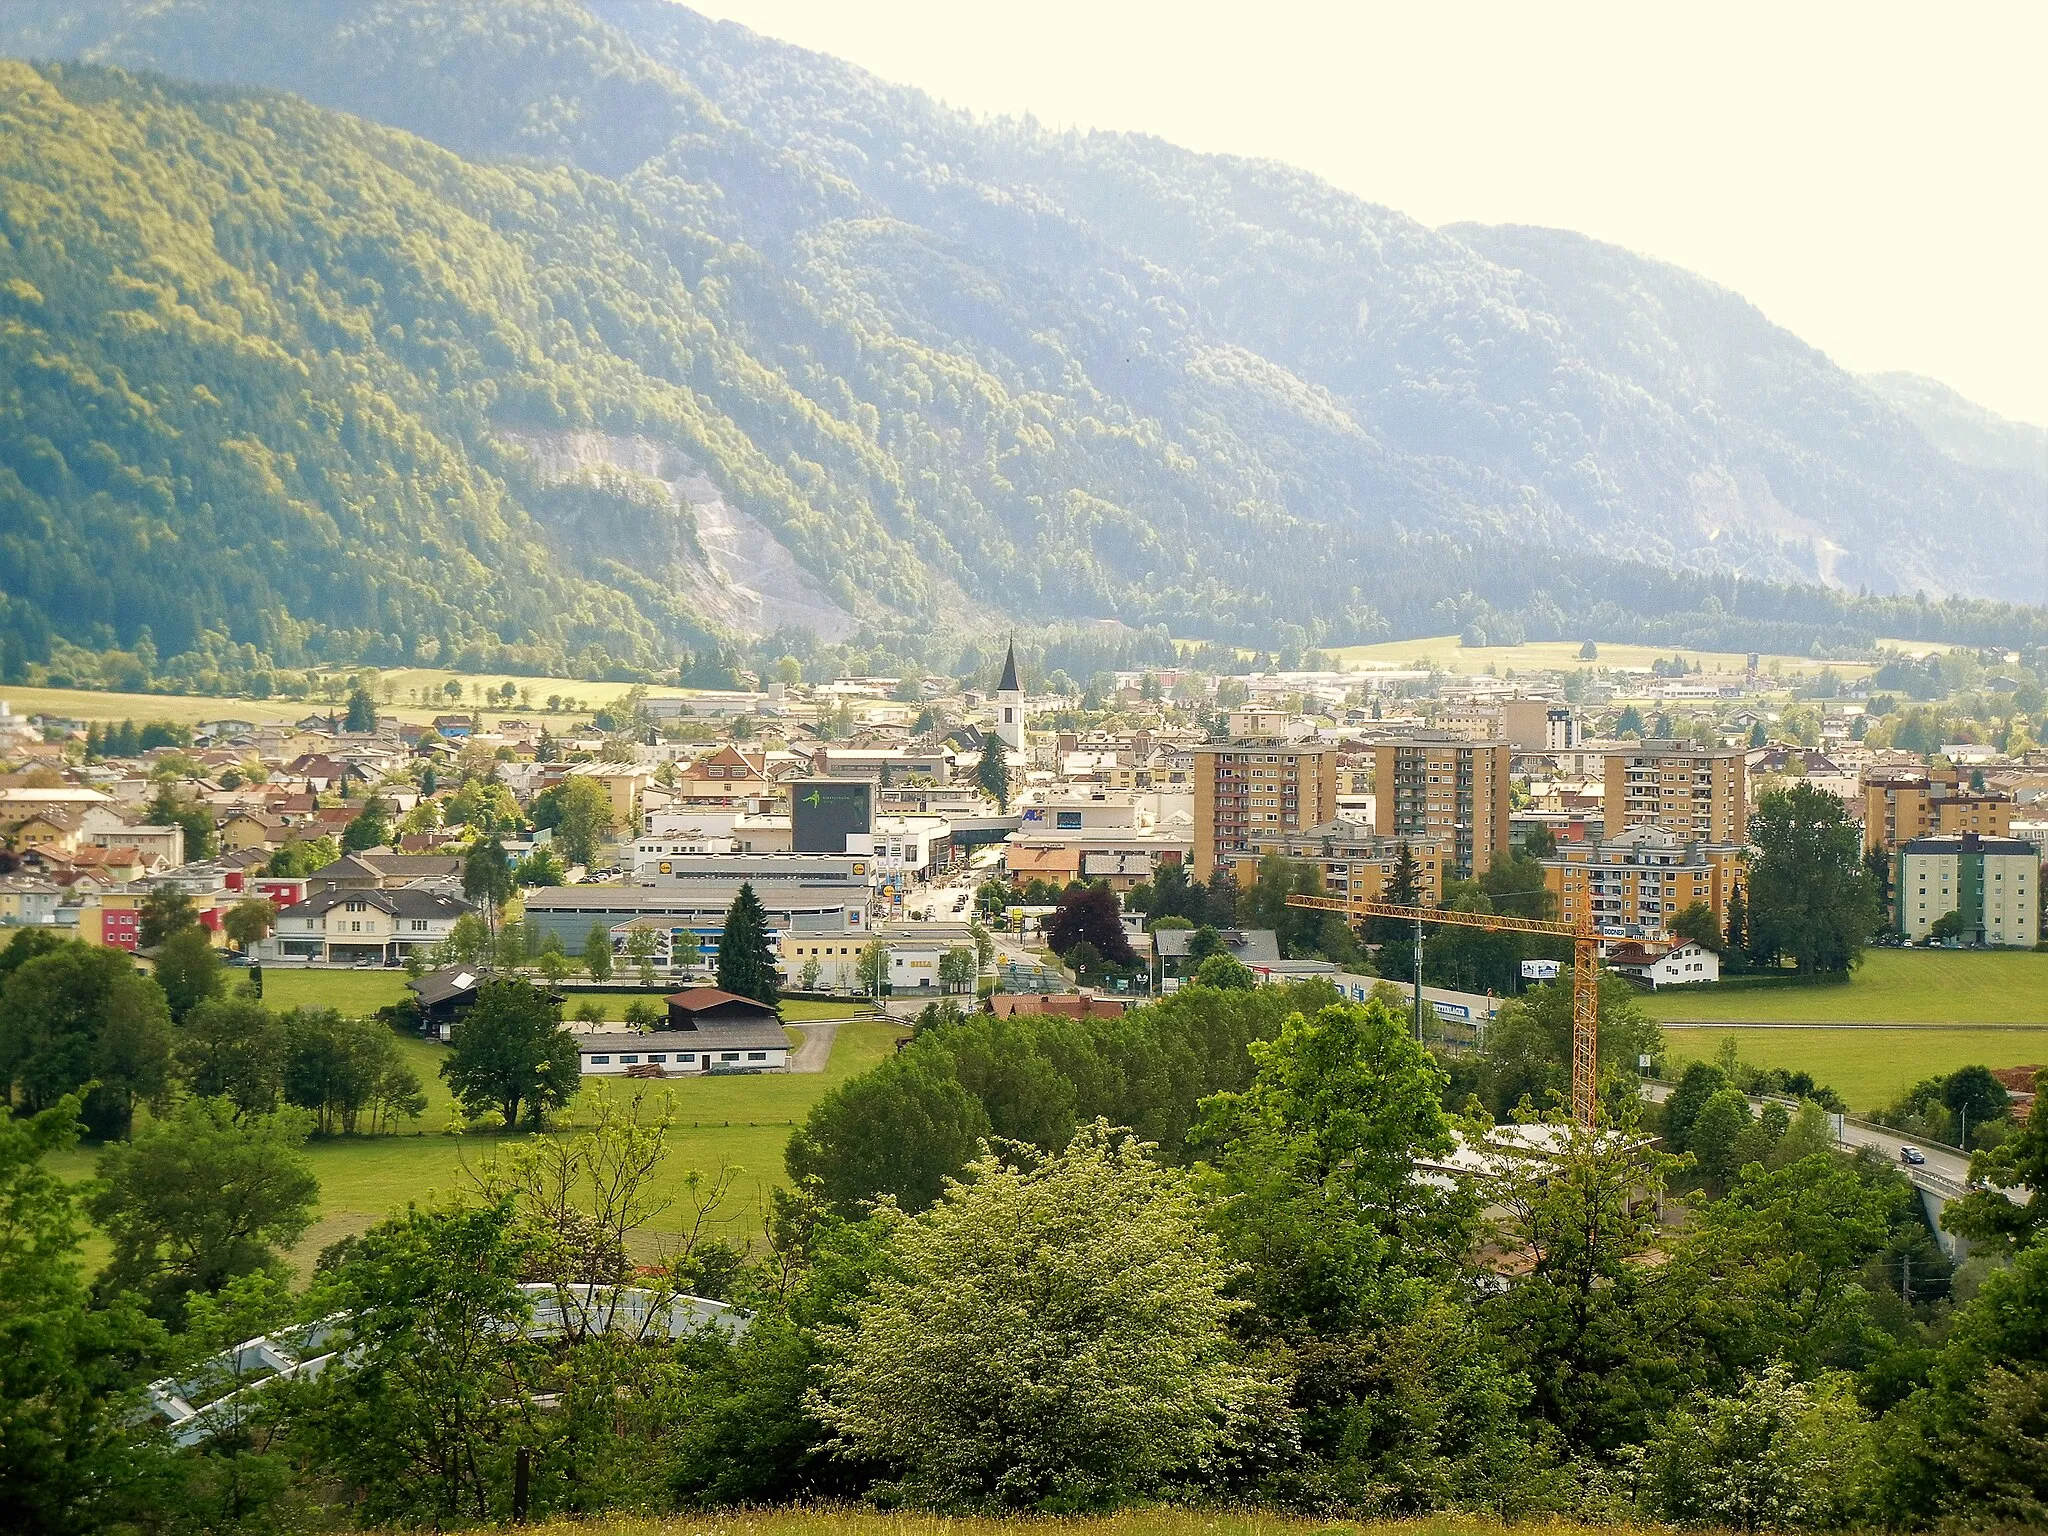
1993 883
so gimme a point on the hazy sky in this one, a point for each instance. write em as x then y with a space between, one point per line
1873 176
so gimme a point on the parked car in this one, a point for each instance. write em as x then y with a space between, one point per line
1913 1157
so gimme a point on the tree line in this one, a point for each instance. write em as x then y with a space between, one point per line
1196 1253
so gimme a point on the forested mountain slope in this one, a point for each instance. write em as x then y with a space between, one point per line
953 367
1961 427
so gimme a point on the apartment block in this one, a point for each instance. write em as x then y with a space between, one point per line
1435 787
1262 787
1697 793
1634 883
1993 883
1901 804
1355 865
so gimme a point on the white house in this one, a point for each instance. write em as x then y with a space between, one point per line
662 1053
347 926
1683 965
707 1031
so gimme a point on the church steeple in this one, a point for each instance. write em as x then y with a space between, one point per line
1010 704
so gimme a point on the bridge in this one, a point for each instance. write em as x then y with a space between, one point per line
1945 1176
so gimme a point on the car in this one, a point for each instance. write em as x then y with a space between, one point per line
1913 1157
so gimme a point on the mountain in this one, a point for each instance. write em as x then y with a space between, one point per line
1961 428
546 334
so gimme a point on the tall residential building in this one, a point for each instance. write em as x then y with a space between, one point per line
1250 788
1434 786
1634 883
1901 804
1355 865
1700 793
1992 883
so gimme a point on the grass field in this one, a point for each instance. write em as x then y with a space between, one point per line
1869 1067
1543 655
181 709
737 1123
1892 986
190 709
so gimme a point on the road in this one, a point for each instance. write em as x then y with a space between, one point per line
1945 1172
943 902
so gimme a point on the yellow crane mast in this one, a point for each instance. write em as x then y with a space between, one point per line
1585 974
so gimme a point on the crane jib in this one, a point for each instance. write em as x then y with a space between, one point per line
1585 974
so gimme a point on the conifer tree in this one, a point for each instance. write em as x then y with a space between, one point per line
993 772
746 964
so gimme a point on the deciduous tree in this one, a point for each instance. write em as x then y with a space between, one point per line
202 1197
188 969
167 908
79 1014
579 809
510 1054
424 1424
233 1048
68 1364
1090 914
597 952
370 829
992 772
1051 1334
249 921
341 1067
1810 896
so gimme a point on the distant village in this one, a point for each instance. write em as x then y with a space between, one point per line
874 817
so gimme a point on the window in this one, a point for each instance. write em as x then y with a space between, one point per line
757 1055
687 1056
629 1061
728 1055
600 1061
658 1058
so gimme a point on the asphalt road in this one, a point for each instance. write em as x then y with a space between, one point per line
1945 1166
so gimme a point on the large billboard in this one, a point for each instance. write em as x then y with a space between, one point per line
823 813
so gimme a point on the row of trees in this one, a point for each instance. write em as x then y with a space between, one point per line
77 1019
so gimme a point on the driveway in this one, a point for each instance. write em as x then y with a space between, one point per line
815 1046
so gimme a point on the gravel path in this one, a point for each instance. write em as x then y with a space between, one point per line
816 1048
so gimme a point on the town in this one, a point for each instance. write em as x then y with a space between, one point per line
922 847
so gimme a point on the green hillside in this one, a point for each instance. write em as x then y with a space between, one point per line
256 355
283 386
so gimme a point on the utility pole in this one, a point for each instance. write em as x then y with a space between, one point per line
1585 975
1418 981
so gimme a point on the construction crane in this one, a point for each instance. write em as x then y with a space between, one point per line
1585 974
